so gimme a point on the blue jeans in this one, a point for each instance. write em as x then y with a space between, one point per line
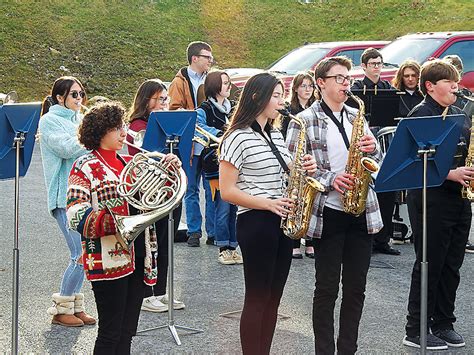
74 274
191 201
226 215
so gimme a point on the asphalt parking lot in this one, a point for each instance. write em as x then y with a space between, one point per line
207 288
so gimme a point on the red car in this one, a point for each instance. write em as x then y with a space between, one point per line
425 46
304 58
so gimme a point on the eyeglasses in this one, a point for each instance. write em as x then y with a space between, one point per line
208 57
406 76
121 128
340 78
161 99
375 64
76 94
306 87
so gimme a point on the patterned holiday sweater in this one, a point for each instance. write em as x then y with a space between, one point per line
92 187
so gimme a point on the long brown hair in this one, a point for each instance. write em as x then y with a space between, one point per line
146 90
295 84
253 100
412 64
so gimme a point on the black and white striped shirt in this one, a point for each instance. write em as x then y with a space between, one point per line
260 173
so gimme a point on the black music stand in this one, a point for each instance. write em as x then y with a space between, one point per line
381 105
420 156
171 132
18 125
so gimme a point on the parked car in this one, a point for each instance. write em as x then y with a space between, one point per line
425 46
304 58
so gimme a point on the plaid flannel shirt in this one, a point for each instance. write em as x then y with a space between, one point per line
316 138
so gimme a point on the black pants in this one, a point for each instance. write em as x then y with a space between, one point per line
161 228
387 205
265 271
344 242
448 225
118 306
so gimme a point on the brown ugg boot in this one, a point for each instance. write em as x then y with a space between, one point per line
62 311
79 310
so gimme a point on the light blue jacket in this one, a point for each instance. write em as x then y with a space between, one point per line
59 149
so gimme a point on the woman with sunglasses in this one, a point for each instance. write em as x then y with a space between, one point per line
251 170
59 148
302 97
152 96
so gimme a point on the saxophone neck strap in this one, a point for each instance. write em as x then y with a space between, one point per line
339 123
256 127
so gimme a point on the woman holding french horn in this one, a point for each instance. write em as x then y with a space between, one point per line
118 273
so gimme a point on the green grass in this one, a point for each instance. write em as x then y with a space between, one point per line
112 46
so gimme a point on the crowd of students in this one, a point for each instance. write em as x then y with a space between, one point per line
243 183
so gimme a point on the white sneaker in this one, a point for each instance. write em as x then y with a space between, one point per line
152 304
176 304
237 257
226 258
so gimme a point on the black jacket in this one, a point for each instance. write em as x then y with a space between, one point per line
429 107
285 120
214 117
369 84
409 101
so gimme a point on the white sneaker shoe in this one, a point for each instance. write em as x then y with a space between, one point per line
226 258
165 300
237 257
152 304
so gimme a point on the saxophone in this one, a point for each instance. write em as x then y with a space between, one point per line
359 166
468 192
301 189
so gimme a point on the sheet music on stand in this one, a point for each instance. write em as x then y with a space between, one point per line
381 105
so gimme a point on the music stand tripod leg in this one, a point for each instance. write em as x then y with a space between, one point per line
19 138
424 261
171 325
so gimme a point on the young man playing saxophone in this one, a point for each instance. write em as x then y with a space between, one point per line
344 241
447 227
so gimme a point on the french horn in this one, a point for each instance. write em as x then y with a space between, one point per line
153 186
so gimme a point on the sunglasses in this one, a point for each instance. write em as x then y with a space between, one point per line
76 94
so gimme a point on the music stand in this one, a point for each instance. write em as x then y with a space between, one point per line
420 156
381 105
171 132
18 125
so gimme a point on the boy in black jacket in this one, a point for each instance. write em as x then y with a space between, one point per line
447 227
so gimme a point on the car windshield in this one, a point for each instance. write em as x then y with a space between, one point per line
300 59
418 49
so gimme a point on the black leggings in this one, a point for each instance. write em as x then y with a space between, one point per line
265 272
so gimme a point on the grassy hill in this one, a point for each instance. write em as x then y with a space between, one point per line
112 46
